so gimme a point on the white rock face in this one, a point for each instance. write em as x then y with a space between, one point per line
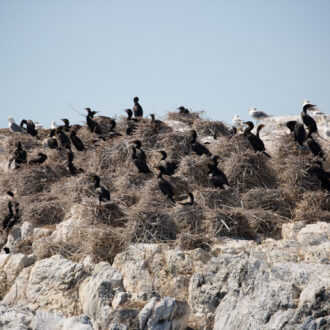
49 283
97 292
167 313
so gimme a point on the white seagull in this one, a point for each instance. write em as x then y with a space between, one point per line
14 127
237 121
53 125
257 114
37 125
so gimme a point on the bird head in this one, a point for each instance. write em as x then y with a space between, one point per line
11 120
137 143
136 99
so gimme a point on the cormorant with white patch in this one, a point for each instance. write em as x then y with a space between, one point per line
138 111
198 148
254 140
307 119
164 186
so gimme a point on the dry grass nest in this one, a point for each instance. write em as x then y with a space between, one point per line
263 194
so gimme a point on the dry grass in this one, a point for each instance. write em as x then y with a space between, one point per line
264 193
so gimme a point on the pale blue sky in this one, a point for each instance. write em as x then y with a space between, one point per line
219 56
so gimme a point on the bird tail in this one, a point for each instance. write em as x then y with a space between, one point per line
265 153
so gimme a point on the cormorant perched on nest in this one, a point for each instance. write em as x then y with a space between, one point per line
30 127
140 163
307 119
41 158
93 126
19 156
170 167
298 131
104 194
131 127
73 170
77 141
314 147
64 139
67 126
198 148
130 114
138 111
51 142
189 201
254 140
140 154
112 132
183 110
155 121
321 174
164 186
216 176
11 218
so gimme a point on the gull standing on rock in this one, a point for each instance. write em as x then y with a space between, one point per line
257 114
14 127
237 121
53 125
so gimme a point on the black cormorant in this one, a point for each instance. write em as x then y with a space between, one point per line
130 114
19 156
76 141
9 216
138 111
72 169
254 140
64 139
216 176
155 121
298 131
30 127
93 126
67 126
198 148
104 194
41 158
307 119
189 201
314 147
321 174
170 167
130 122
183 110
141 164
164 186
51 141
140 154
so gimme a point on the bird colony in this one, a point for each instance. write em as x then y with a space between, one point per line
185 180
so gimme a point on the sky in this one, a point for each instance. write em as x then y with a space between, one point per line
223 57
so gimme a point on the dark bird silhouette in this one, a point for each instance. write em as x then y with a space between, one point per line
164 186
216 176
314 147
19 156
198 148
189 201
130 114
155 121
255 140
41 158
140 163
183 110
138 111
16 217
93 126
140 154
112 132
76 141
170 167
233 131
298 130
64 139
9 216
51 141
67 126
72 168
307 119
7 251
321 174
130 122
29 127
104 194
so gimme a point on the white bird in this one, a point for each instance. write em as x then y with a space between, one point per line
14 127
237 121
326 127
257 114
53 125
37 125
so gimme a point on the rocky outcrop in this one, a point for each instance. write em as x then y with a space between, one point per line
236 284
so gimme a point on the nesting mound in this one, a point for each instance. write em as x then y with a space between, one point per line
263 192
